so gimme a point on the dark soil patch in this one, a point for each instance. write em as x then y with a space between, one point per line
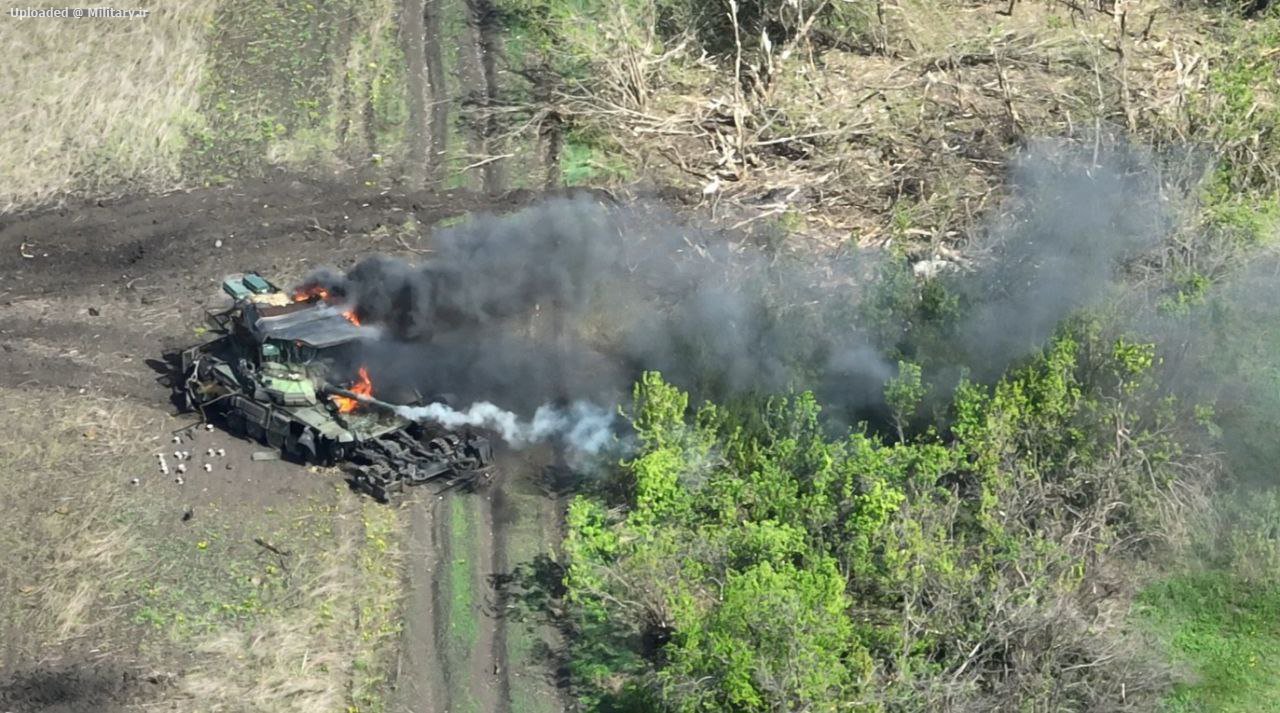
84 688
169 241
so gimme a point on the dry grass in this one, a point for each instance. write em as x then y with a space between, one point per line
329 650
91 568
65 548
298 662
95 105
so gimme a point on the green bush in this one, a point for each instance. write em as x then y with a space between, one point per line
745 560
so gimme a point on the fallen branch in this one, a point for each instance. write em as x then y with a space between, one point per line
404 244
486 161
271 548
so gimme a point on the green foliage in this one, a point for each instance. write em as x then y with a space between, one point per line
910 318
776 638
745 560
583 163
1240 115
1230 341
903 393
1238 215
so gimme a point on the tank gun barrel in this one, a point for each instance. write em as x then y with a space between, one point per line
331 390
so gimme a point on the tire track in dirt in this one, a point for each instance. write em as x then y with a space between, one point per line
157 247
488 665
421 684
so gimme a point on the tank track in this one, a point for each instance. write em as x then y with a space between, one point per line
383 466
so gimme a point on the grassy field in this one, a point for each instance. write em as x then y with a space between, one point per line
1223 633
199 91
90 105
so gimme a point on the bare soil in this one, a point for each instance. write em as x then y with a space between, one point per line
81 688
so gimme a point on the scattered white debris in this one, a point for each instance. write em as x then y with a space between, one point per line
209 452
222 452
208 427
179 480
177 455
208 467
217 243
177 439
181 468
135 481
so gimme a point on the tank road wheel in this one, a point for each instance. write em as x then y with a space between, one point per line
300 447
306 445
330 452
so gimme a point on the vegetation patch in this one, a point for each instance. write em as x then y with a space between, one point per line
378 614
321 636
530 636
70 551
1225 632
99 107
459 597
744 559
305 85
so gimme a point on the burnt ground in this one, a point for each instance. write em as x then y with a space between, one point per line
93 293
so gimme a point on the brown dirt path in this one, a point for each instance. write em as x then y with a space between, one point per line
488 666
419 678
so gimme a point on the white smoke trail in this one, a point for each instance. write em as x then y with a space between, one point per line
584 426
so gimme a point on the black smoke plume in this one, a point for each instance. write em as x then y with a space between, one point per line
568 300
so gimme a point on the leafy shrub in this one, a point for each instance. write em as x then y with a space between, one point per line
748 561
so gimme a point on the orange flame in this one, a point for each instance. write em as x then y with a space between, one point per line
310 293
362 386
318 293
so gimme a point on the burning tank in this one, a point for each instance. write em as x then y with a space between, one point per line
276 371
